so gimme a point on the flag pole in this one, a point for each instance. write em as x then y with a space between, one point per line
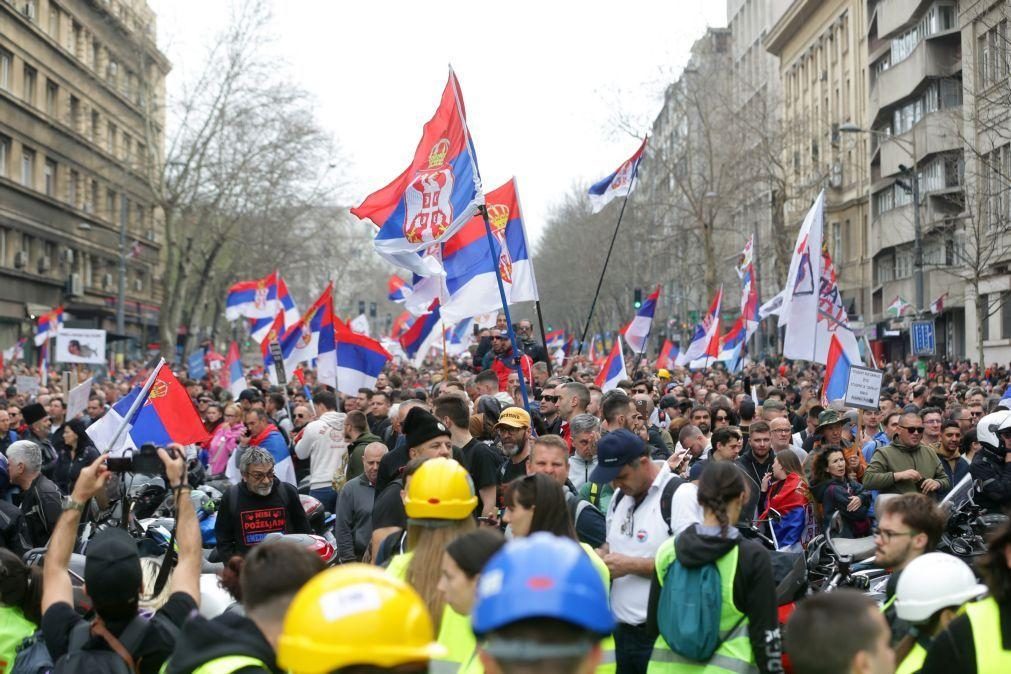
517 355
607 258
445 356
135 405
537 302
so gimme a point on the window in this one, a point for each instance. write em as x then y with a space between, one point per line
992 54
54 22
5 150
110 205
52 98
1005 315
75 113
110 138
49 175
884 201
903 264
94 127
27 167
73 187
96 53
31 75
77 35
92 198
6 59
127 147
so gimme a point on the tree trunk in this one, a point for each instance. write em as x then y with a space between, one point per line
782 243
981 315
710 261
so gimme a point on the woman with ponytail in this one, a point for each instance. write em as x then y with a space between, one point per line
20 602
748 636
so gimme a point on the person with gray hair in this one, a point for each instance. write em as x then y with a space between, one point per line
258 505
584 430
41 500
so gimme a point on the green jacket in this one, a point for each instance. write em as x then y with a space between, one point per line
356 465
895 458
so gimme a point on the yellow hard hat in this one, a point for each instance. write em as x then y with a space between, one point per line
663 374
355 614
441 489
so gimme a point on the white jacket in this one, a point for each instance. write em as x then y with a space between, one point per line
324 445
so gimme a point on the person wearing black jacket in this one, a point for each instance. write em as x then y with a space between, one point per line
13 534
721 493
991 468
39 424
41 500
266 582
259 505
75 450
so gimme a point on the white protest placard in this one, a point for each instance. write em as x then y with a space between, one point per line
77 399
27 384
78 345
863 388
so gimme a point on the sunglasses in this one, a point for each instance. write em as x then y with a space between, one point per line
501 338
912 429
300 416
549 399
722 417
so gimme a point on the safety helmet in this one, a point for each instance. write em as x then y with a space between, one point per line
441 489
663 373
355 614
932 582
987 427
541 576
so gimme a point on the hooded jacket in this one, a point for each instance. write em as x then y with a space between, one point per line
895 458
994 476
356 452
203 640
324 445
754 587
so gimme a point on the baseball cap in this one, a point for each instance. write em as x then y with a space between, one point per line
616 450
514 417
112 571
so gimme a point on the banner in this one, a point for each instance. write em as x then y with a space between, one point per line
77 345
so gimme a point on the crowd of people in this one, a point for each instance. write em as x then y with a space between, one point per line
629 531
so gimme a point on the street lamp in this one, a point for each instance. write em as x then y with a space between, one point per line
914 188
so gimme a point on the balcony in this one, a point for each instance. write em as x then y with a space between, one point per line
896 15
937 132
892 228
931 58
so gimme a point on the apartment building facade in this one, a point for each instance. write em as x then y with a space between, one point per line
82 86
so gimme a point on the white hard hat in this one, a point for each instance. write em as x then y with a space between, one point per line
987 427
932 582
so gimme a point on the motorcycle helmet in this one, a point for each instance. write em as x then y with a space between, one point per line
932 582
988 427
317 544
314 511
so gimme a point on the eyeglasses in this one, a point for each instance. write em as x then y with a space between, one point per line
887 535
722 417
912 429
260 477
504 338
300 416
549 399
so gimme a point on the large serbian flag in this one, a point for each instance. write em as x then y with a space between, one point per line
253 299
259 327
360 359
49 324
613 370
434 196
837 372
617 184
166 414
312 337
705 345
637 331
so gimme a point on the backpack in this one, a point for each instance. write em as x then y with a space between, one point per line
32 656
119 660
688 613
666 495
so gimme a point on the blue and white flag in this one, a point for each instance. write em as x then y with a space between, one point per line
617 184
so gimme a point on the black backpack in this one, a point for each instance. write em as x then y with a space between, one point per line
81 660
666 495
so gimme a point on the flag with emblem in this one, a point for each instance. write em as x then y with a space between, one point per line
312 338
48 325
617 184
259 327
435 195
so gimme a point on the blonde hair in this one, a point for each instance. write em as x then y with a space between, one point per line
427 545
150 568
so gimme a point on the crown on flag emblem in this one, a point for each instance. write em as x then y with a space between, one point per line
158 390
498 215
260 298
437 157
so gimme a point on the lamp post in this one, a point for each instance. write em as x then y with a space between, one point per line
914 188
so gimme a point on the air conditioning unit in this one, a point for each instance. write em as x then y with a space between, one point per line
29 10
44 264
68 256
138 285
21 259
76 285
113 68
107 282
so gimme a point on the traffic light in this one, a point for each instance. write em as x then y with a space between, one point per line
361 307
637 302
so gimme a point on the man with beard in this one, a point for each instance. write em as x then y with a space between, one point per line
513 430
39 424
950 453
258 505
700 419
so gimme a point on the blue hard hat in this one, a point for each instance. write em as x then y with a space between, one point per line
541 576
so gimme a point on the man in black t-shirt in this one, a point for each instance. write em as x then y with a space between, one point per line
479 458
112 573
513 430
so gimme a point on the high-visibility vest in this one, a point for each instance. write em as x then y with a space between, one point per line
734 654
14 628
229 664
984 616
913 662
455 633
608 664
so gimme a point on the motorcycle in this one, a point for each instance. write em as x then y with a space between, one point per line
834 562
968 525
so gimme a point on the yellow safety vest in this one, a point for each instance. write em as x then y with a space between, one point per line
608 665
224 665
734 654
14 628
455 633
984 616
913 662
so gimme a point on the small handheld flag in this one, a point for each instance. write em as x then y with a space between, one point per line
898 307
637 331
837 372
617 184
613 370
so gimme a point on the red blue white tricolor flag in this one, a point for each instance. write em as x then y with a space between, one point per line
360 359
705 345
555 339
259 327
422 334
617 184
312 338
49 324
433 197
837 372
668 352
636 333
613 370
233 368
398 289
253 299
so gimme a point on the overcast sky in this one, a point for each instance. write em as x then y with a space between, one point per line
545 82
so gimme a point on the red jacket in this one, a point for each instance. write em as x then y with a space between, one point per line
502 366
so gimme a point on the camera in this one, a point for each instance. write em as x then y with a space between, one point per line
144 461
